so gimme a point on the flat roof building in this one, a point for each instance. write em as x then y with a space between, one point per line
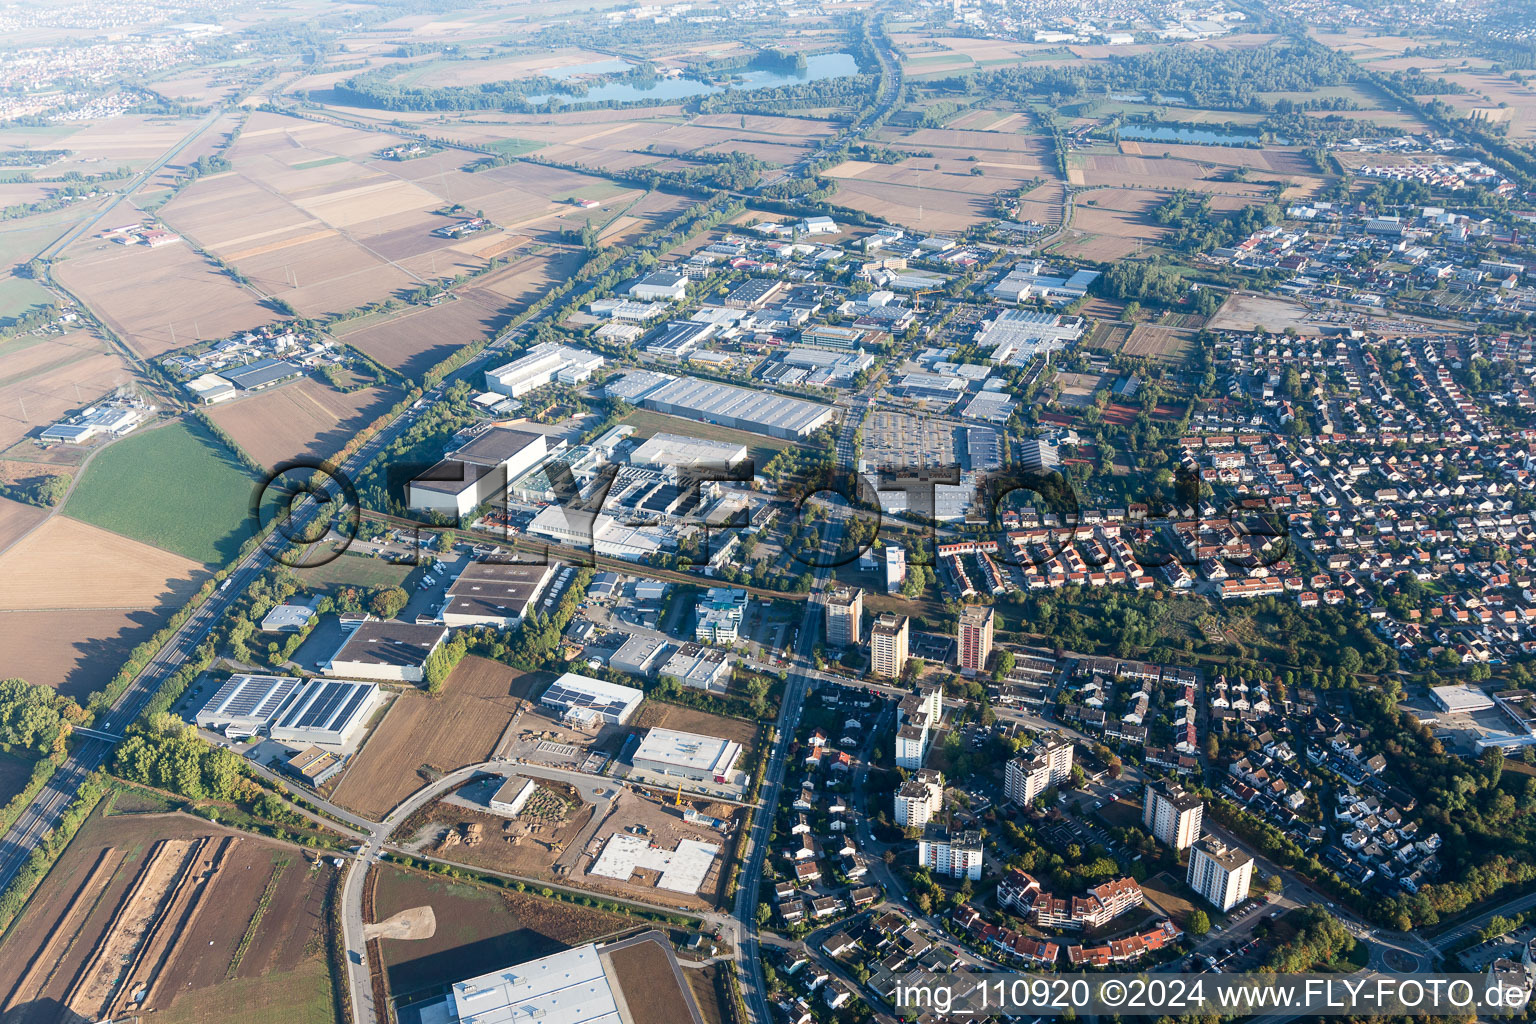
1460 699
495 594
245 704
326 713
677 450
477 470
1219 872
702 668
583 700
544 364
975 638
758 412
687 755
564 988
387 650
888 645
1172 814
262 374
844 610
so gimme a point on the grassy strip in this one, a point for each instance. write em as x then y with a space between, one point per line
32 873
261 908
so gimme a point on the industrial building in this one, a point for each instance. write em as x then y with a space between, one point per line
596 532
495 594
702 668
245 704
571 987
660 285
326 713
687 755
477 470
262 374
318 712
111 418
512 795
545 363
393 651
1460 699
583 700
758 412
677 450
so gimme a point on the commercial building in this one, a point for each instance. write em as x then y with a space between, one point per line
953 853
660 286
495 594
326 713
313 766
394 651
844 610
1460 699
639 655
718 615
1037 456
1172 814
687 755
545 363
477 470
919 799
664 450
318 712
1048 763
895 568
586 701
702 668
1219 872
110 418
888 645
512 795
975 638
758 412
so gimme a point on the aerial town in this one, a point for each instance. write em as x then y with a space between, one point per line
710 511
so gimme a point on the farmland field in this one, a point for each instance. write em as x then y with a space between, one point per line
479 928
80 910
459 727
417 339
67 564
174 487
75 652
158 300
43 379
305 418
16 519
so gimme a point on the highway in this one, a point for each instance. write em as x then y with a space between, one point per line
90 753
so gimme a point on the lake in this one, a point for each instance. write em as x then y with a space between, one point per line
1185 133
818 68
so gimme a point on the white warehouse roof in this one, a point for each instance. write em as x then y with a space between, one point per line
564 988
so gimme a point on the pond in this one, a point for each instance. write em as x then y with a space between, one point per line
1187 133
818 68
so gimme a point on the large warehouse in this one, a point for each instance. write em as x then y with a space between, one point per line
395 651
687 755
244 705
587 701
326 713
759 412
495 594
322 712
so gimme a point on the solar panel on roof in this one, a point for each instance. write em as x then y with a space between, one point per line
351 708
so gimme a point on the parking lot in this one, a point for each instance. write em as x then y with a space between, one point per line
903 440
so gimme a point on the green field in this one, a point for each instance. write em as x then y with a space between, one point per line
323 162
354 570
301 996
174 487
514 147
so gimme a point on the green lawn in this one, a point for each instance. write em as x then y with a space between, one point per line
354 570
174 487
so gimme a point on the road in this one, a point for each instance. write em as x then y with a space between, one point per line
89 753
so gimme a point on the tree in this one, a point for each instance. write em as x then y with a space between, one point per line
1199 923
387 602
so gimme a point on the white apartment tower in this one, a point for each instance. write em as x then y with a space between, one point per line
1172 814
1048 763
1219 872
